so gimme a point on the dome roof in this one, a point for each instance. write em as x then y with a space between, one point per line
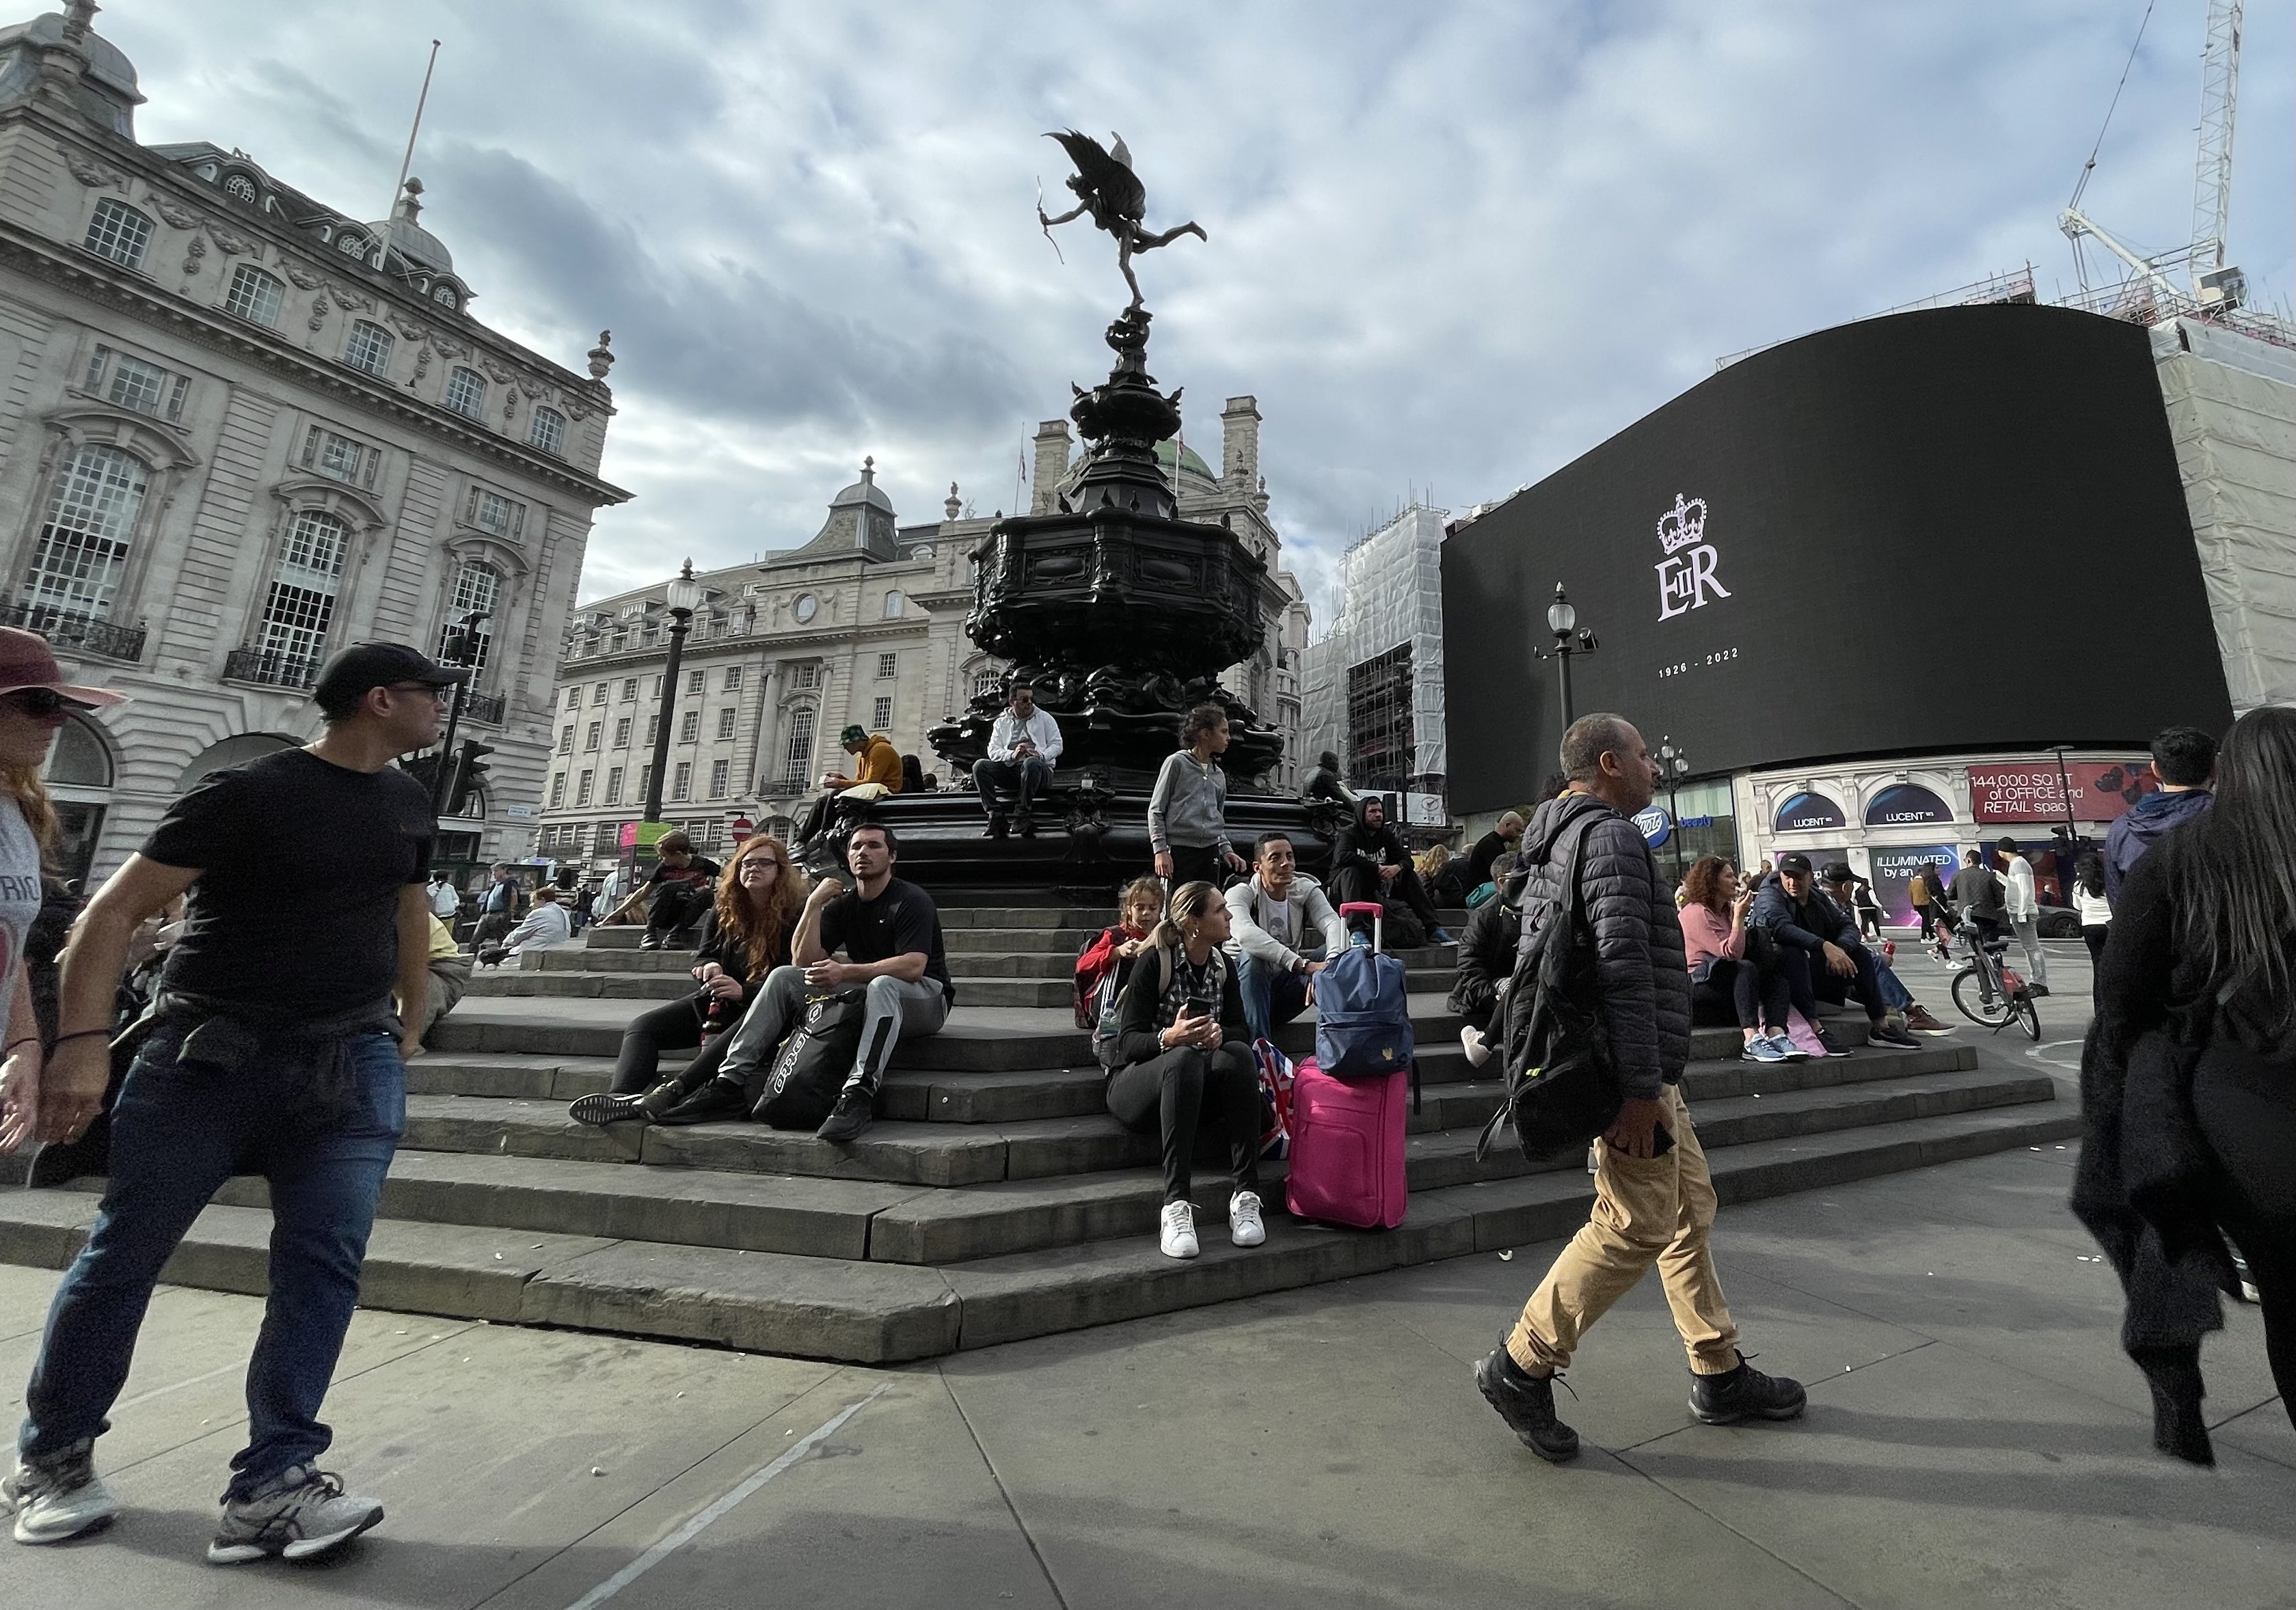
106 61
409 238
1190 461
863 491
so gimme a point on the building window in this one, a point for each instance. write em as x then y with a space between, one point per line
681 781
119 232
654 730
889 666
494 514
340 457
697 681
566 738
254 296
733 678
239 187
590 739
725 719
808 677
582 788
797 754
689 726
444 295
892 606
573 698
83 547
368 348
622 733
609 839
548 431
302 600
721 778
984 682
614 785
598 693
351 245
131 383
466 392
645 781
629 687
476 588
558 781
881 714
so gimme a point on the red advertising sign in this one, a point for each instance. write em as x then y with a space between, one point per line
2035 791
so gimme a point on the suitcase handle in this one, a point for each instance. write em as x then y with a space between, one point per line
1377 913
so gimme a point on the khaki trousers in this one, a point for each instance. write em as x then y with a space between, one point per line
1647 1209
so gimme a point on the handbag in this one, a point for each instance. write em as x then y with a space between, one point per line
1562 1081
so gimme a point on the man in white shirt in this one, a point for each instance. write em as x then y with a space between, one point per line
2024 913
446 899
1024 746
1283 931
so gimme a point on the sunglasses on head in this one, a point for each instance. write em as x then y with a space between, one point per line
43 701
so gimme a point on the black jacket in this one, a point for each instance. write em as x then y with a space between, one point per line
1807 925
1361 845
1486 958
729 953
1137 1027
1642 978
1488 848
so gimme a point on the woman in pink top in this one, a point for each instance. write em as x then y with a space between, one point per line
1721 972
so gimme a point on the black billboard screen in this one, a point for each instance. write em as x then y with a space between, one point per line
1954 530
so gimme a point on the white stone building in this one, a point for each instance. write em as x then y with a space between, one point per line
239 430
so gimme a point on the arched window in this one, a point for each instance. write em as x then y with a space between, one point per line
80 756
548 429
985 682
241 186
303 586
119 232
444 296
478 585
254 296
893 606
369 348
466 392
351 245
84 540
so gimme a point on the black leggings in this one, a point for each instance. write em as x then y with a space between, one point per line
1198 864
2246 1106
674 1025
673 906
1758 997
1173 1091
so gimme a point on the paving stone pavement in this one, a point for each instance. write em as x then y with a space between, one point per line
1974 1437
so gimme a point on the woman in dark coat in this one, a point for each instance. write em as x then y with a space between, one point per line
2188 1080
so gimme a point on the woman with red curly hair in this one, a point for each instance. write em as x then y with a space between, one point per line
1722 972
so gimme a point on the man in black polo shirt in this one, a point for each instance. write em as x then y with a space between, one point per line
891 933
274 1047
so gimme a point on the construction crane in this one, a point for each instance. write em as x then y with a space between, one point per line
2216 286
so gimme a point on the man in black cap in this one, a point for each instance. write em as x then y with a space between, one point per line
1818 944
276 1046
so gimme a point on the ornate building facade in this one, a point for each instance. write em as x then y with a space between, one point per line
864 624
240 429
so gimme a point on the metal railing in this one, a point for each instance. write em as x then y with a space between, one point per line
271 667
69 629
488 708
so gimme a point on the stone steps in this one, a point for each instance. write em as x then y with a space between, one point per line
872 1311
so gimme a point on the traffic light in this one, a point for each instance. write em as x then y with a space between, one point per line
425 770
466 772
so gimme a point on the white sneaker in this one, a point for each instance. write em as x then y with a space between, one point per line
303 1513
1179 1237
1244 1225
58 1497
1478 1046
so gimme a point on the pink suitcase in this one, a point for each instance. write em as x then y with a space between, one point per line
1347 1148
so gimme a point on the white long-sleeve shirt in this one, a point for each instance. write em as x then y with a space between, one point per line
2023 903
1040 730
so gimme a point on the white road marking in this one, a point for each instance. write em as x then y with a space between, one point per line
724 1507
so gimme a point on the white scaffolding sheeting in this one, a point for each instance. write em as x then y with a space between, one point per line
1393 599
2231 402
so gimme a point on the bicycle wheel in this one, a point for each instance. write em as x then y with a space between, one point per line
2031 1015
1989 1014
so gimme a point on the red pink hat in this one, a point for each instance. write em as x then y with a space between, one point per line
26 661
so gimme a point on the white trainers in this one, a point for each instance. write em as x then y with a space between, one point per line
1179 1237
58 1497
303 1513
1476 1044
1244 1225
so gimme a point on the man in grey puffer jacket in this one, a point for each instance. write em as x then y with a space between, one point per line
1653 1196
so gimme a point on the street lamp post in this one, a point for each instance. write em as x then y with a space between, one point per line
684 596
1569 638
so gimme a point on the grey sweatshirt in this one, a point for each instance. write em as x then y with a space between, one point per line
1189 807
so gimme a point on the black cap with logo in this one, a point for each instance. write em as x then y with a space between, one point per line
347 677
1796 863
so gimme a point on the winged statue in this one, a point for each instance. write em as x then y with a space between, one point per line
1105 186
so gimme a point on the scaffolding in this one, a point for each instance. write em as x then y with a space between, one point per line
1373 687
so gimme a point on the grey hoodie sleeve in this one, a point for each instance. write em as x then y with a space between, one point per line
1160 805
1249 937
1326 917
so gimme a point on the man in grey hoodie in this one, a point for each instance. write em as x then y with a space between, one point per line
1283 931
2185 760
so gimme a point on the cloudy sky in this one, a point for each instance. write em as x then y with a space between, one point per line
1453 245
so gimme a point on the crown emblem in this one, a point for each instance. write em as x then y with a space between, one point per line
1682 525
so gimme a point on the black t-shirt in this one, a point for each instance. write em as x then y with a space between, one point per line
901 920
302 863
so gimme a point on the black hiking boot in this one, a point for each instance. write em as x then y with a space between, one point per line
1745 1392
718 1100
1526 1402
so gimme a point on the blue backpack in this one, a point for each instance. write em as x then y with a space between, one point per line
1363 1016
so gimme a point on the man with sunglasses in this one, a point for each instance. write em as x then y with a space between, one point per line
274 1046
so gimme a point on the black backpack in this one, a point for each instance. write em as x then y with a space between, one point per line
1562 1082
797 1089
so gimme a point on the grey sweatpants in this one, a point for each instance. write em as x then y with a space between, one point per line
2037 960
896 1007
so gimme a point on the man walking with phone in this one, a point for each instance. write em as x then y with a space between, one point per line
275 1047
1653 1197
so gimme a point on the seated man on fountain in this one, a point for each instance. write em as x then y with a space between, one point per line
889 930
1371 863
1024 746
877 775
1284 930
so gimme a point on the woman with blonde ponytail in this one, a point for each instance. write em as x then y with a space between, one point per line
35 703
1183 1060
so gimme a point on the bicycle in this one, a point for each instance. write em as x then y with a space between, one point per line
2002 996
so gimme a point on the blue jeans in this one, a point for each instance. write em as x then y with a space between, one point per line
1808 978
179 1131
1272 996
1895 995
